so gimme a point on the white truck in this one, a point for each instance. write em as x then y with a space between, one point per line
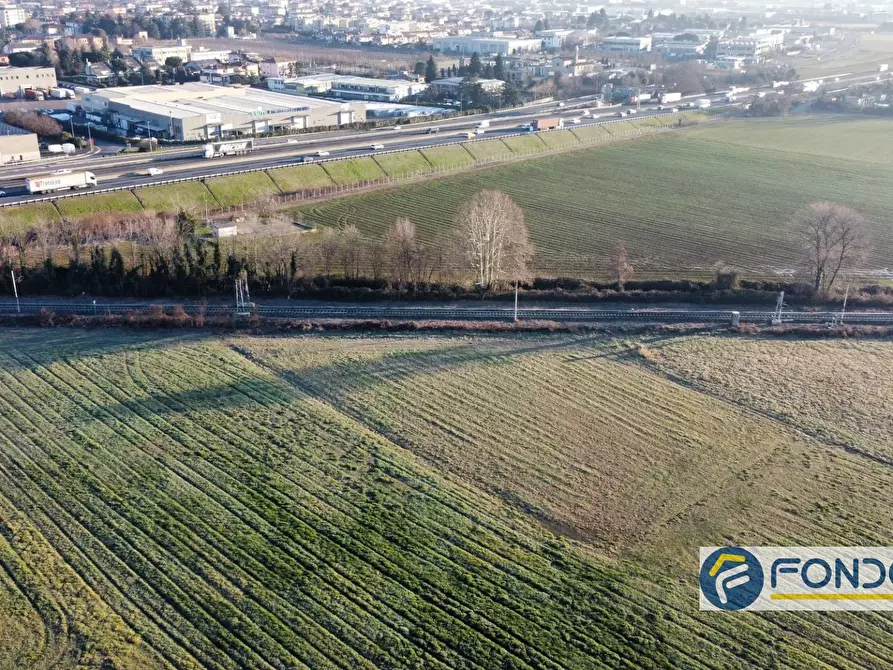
703 103
810 86
883 67
49 183
227 148
61 93
670 97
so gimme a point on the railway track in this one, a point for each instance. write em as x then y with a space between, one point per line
462 314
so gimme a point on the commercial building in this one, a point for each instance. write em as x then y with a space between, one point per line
752 50
146 52
277 67
347 87
11 15
453 85
17 145
17 79
485 45
195 111
626 44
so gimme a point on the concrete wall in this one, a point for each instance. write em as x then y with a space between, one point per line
18 148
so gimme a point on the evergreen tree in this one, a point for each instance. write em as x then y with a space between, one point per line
474 67
430 70
498 68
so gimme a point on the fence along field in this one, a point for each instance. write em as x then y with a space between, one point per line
178 501
679 203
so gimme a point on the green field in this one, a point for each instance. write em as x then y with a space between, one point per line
173 197
403 164
239 189
857 56
398 501
448 157
13 219
101 203
680 203
525 144
353 170
294 179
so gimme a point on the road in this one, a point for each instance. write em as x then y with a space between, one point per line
454 313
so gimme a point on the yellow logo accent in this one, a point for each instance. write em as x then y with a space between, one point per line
722 558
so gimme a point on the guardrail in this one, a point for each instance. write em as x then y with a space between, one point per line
301 163
459 314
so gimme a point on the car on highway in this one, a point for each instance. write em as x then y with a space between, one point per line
432 131
154 172
291 141
621 113
633 111
576 119
377 147
674 110
585 112
62 171
307 159
321 154
2 193
398 127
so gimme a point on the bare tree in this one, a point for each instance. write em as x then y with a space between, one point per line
328 245
493 239
401 244
834 239
620 266
351 251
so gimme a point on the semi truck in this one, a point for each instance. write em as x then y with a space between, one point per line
670 97
61 93
548 124
49 183
228 148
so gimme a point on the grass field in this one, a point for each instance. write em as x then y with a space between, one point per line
558 139
652 196
353 170
391 501
291 180
171 197
486 149
448 157
404 164
119 201
525 144
13 219
859 56
241 188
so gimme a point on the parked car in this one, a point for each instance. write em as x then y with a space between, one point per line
377 147
154 171
62 171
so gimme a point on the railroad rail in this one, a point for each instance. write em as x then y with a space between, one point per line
460 314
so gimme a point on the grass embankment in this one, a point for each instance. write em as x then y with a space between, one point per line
296 179
403 164
240 189
525 144
679 202
353 170
448 157
101 203
442 501
172 197
488 149
16 219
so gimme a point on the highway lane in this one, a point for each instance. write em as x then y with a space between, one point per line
413 137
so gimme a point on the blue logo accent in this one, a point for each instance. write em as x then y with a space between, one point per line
731 578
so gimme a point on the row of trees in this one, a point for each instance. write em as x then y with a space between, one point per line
43 125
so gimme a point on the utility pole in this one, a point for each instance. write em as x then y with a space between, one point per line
516 301
846 296
779 304
15 291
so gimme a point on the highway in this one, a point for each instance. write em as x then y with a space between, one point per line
453 313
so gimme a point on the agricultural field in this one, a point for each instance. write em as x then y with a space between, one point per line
172 197
857 56
403 164
15 219
101 203
193 500
648 195
353 170
241 188
294 179
448 157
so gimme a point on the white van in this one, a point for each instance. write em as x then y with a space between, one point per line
154 172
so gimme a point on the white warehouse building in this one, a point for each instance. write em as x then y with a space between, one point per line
486 45
345 86
626 44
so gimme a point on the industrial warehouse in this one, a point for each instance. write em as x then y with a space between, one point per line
195 111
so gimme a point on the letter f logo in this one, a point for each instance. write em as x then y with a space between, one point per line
725 572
